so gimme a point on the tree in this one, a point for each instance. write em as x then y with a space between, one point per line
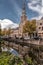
0 46
3 32
0 30
0 38
9 31
33 25
29 27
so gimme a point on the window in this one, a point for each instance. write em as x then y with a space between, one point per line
42 28
40 23
39 27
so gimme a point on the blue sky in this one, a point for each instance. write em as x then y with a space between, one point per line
12 9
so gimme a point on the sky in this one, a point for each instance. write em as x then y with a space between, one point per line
12 9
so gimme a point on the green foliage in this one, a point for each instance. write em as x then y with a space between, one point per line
16 60
7 58
4 58
28 60
30 26
0 30
1 42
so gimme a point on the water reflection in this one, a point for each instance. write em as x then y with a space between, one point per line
10 50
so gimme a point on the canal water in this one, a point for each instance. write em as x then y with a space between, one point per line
10 50
4 48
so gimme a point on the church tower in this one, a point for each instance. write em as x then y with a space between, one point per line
23 18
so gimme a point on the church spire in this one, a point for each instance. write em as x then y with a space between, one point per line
24 8
23 18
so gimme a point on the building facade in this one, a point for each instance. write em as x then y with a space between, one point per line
39 27
15 32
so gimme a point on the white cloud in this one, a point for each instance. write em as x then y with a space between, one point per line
37 18
37 6
34 8
42 10
6 23
42 2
